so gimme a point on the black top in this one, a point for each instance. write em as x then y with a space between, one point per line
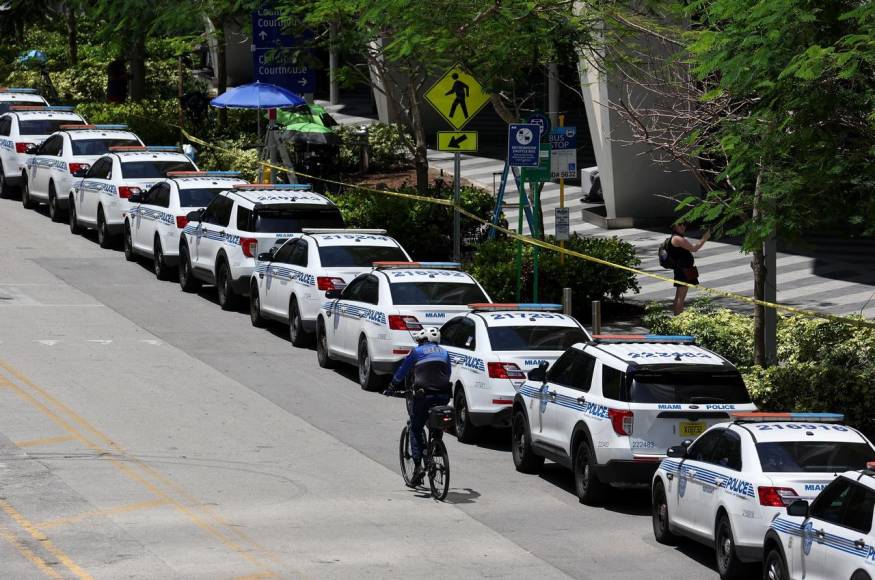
682 257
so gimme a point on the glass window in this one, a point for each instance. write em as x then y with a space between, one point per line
162 196
358 256
154 196
727 452
299 254
468 334
702 448
612 382
451 332
101 168
354 290
573 369
200 197
858 514
437 293
52 146
5 106
244 218
290 221
370 292
689 387
153 169
44 126
832 501
5 126
813 456
219 212
284 254
534 337
98 146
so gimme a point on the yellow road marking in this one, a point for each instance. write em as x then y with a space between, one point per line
44 541
122 467
45 441
122 509
7 535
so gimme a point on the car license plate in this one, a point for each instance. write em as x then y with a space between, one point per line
692 429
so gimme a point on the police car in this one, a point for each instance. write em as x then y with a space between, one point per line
157 217
290 282
609 409
368 323
725 488
221 242
829 538
9 97
62 157
99 200
491 348
22 128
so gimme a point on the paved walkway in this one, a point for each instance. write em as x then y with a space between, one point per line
836 276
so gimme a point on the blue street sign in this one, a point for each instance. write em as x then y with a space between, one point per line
267 29
272 58
522 144
541 120
563 141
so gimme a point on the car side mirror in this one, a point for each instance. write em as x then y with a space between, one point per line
81 173
798 508
539 373
265 257
332 294
194 216
32 150
677 452
135 198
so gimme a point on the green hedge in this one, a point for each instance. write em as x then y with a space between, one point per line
152 120
386 143
240 156
823 365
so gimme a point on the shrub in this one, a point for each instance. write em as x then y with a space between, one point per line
387 144
240 156
493 264
151 120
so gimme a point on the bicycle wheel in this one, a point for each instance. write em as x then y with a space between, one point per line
439 470
404 456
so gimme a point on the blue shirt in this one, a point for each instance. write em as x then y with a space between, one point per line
430 364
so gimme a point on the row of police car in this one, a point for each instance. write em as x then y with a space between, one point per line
793 491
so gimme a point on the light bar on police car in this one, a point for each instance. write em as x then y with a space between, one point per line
202 173
343 231
765 416
19 90
112 127
533 306
75 127
382 265
292 186
167 148
643 338
116 148
48 108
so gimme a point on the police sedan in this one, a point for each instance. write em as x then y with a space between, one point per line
10 97
725 488
492 348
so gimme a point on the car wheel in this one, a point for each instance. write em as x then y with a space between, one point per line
25 193
54 210
297 335
5 189
255 316
75 229
728 565
104 240
860 575
322 357
128 244
590 489
368 379
774 567
661 528
159 266
466 432
227 297
524 458
187 281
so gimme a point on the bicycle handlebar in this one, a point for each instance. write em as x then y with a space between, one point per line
404 393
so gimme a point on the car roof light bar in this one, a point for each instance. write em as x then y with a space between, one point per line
343 231
277 186
203 173
20 90
75 127
382 265
122 148
655 338
164 148
112 127
531 306
764 416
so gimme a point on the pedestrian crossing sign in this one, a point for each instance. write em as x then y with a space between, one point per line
457 96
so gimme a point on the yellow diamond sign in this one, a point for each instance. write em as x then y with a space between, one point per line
457 96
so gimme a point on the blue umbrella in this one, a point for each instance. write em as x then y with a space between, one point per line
33 56
257 95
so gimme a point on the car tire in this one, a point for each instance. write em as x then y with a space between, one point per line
322 356
775 568
5 188
859 575
55 212
728 565
104 239
26 201
466 432
590 489
228 299
255 316
159 266
368 379
187 281
661 527
128 244
524 458
297 335
73 219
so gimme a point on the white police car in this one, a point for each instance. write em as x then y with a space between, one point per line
64 156
610 408
725 488
10 97
221 242
157 217
21 130
368 323
491 348
289 283
827 539
99 200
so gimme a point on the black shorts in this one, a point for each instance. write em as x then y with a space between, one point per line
688 275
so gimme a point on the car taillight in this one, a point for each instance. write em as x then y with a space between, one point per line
622 421
181 221
125 192
74 167
250 246
325 283
499 370
776 496
22 147
397 322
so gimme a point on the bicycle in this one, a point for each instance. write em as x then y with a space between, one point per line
436 461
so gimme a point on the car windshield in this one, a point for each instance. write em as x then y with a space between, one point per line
813 456
446 293
99 146
358 256
200 197
153 169
689 387
289 221
44 126
534 337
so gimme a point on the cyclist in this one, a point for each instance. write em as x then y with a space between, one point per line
430 364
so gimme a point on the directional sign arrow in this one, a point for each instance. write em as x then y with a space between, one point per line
262 35
457 140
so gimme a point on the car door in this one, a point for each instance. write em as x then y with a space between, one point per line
462 346
722 484
42 165
359 309
552 412
143 226
90 189
211 232
291 281
450 338
689 494
342 311
573 401
277 272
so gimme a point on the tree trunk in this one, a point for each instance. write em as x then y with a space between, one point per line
138 66
420 156
72 38
221 67
759 314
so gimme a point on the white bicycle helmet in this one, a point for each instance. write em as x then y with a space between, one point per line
430 334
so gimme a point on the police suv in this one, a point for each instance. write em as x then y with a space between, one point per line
99 200
725 488
21 130
829 538
158 216
289 282
64 156
491 348
609 409
9 97
221 242
368 323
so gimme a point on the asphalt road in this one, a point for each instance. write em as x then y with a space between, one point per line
144 433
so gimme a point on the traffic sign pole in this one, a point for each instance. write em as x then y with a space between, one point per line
562 199
457 197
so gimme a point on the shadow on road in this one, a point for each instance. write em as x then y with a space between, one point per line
462 496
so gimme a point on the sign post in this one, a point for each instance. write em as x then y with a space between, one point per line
564 164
